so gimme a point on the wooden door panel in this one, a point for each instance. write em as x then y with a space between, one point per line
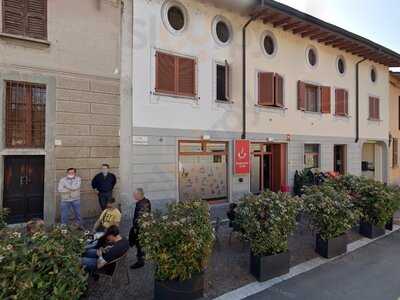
23 187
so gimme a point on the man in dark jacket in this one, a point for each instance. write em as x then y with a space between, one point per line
104 183
142 206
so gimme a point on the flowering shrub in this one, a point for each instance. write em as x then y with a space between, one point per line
376 201
330 210
266 220
45 265
3 218
179 242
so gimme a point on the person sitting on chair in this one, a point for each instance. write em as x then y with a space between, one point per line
109 217
102 258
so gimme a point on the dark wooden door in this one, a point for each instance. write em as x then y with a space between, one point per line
23 187
339 159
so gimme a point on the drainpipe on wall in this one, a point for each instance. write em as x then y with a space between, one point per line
357 101
253 18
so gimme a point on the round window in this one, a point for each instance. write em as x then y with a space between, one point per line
373 74
341 65
269 45
312 57
223 32
176 18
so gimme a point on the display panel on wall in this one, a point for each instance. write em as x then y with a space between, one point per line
202 170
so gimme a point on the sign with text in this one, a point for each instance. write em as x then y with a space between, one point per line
242 157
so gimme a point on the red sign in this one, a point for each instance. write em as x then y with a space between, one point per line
242 157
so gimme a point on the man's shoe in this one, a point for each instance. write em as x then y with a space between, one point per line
137 265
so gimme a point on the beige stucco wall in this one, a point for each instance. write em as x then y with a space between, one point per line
80 64
289 61
394 125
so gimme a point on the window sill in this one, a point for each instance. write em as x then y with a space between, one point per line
313 112
194 98
224 101
24 38
272 107
375 120
342 116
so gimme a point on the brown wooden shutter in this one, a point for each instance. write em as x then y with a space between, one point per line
395 161
346 102
14 17
36 19
372 107
376 110
278 90
266 88
325 99
339 102
301 95
227 80
166 73
186 76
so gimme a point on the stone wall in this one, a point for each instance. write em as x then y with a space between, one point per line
87 132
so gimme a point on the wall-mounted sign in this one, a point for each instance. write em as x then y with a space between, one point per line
242 157
140 140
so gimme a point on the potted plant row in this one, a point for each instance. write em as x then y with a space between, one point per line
376 201
331 214
180 244
266 221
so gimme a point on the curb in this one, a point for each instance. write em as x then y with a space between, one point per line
256 287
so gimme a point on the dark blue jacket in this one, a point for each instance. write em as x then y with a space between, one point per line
104 184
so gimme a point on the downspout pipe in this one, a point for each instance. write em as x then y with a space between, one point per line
358 100
244 61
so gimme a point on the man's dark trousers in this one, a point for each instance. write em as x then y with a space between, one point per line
103 198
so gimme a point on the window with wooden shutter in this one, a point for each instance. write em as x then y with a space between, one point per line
325 99
266 88
175 75
395 158
222 81
25 18
341 102
278 90
312 98
25 115
301 95
374 108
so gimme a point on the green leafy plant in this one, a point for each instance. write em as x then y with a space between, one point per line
266 220
331 211
3 217
376 201
45 265
180 242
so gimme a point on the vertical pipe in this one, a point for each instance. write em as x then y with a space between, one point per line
358 101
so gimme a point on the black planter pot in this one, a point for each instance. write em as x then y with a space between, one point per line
370 230
332 247
389 225
268 267
190 289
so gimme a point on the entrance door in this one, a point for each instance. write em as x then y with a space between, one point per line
340 159
23 187
268 167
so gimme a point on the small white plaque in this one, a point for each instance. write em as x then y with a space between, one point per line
140 140
58 142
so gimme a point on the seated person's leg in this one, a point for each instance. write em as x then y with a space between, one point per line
90 253
89 264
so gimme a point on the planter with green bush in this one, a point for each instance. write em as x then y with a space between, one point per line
331 214
266 221
3 218
45 265
180 244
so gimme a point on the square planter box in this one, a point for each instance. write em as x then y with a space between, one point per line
389 225
190 289
332 247
370 230
268 267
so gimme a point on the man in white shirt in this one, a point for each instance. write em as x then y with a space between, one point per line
69 188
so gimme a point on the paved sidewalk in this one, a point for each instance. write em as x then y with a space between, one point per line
370 273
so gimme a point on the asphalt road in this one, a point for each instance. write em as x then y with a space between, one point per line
370 273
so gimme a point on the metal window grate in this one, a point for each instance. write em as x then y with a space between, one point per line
25 114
